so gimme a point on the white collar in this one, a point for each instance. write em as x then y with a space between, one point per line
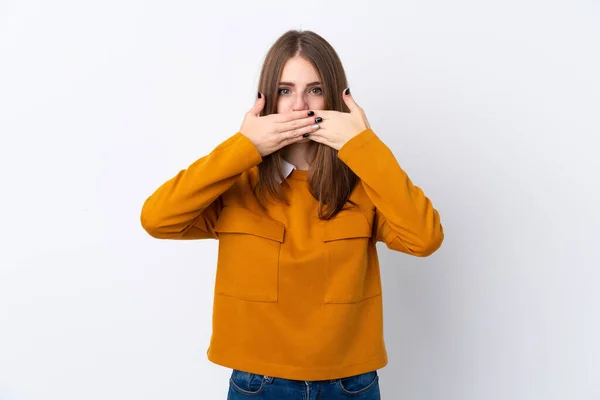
287 168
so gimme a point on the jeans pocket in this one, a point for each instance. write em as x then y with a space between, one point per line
358 384
246 382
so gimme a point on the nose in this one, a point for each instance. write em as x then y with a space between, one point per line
300 102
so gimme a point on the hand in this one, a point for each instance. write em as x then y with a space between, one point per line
272 132
339 127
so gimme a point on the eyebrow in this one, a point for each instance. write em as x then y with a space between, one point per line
293 84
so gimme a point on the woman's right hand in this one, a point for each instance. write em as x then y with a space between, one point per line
273 132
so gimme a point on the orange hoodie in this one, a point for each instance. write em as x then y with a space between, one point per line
296 297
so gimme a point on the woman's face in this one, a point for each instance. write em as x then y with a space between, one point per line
300 87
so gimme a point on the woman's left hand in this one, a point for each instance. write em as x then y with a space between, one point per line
339 127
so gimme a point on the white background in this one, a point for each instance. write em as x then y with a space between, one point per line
492 107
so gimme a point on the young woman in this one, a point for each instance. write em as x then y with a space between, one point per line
298 198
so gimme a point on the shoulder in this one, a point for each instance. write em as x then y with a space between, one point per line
243 187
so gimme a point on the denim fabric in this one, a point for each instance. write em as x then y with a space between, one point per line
246 385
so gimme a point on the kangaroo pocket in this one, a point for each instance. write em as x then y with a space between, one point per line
248 260
351 264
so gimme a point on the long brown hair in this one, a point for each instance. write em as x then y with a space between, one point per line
330 181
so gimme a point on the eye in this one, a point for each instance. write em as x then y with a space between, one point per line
318 90
282 89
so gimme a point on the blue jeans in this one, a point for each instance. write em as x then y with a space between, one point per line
246 385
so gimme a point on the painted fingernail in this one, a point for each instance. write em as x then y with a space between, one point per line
305 135
311 113
315 126
348 91
318 119
259 95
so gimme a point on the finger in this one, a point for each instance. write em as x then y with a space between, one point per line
258 106
349 100
318 138
298 123
293 115
298 134
326 114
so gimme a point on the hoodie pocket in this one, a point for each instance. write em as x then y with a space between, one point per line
248 259
351 264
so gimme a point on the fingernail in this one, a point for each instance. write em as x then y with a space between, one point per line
348 91
315 126
311 113
305 135
259 95
318 119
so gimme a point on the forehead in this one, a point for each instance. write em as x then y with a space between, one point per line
297 69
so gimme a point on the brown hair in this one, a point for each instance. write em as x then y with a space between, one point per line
330 181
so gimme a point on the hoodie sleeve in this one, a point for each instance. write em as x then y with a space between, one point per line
188 205
405 218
